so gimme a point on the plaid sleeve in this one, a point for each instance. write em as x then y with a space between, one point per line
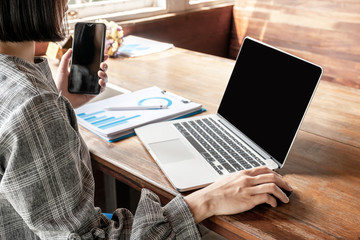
47 186
173 221
47 178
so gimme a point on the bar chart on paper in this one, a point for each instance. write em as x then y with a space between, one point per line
102 121
113 125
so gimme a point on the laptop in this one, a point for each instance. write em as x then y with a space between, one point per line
256 123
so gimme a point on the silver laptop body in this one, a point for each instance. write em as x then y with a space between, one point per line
258 118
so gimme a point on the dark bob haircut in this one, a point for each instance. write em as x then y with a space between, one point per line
32 20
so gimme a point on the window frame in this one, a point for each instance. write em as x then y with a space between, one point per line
86 11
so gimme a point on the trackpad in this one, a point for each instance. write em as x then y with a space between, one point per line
171 151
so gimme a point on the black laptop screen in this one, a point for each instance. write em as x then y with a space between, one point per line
267 96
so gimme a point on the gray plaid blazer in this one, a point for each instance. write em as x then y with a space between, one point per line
46 182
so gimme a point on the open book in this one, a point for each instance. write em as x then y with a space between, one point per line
113 125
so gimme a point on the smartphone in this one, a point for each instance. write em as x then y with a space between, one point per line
87 54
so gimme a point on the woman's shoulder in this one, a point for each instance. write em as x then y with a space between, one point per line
23 82
18 75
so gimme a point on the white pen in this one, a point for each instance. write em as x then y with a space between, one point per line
136 108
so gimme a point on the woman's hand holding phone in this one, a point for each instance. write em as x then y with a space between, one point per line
62 79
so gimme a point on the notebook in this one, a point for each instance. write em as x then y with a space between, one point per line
256 123
113 125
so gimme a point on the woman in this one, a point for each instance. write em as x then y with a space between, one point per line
46 183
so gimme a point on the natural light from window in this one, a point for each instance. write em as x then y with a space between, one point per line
117 10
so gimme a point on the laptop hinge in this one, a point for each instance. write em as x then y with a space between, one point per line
247 140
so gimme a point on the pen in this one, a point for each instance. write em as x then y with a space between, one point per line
136 108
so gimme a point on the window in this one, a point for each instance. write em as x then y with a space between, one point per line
207 2
87 9
118 10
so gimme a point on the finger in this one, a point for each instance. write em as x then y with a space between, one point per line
65 60
102 83
270 188
102 75
271 178
258 170
103 67
106 57
264 198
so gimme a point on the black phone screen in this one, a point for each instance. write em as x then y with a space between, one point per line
88 53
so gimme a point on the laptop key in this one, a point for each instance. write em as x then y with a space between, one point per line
247 166
237 167
195 144
221 160
206 155
255 164
228 167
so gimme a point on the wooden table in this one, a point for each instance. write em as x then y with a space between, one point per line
323 166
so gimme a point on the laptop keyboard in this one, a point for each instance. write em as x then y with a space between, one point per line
220 149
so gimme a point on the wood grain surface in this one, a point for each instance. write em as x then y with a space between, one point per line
326 32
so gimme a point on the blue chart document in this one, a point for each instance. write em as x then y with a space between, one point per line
116 117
